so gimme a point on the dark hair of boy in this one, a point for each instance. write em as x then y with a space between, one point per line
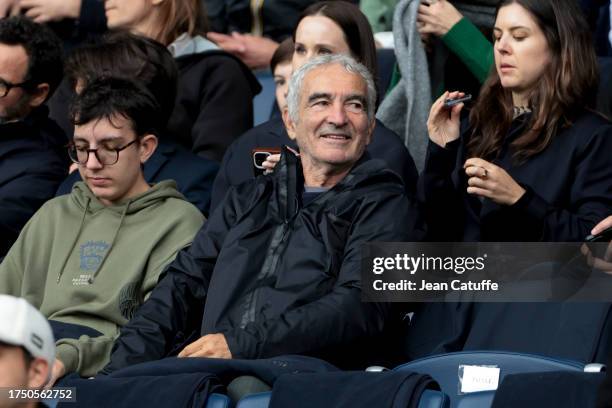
107 98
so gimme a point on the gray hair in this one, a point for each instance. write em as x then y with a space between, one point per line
297 80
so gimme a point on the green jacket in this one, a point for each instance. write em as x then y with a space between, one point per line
80 262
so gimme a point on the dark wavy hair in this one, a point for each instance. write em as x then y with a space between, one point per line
355 26
568 85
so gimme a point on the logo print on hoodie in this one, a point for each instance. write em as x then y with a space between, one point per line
91 255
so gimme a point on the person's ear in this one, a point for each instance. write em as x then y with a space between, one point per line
148 144
39 95
38 373
289 124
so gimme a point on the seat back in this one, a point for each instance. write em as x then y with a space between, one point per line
258 400
434 399
429 399
218 401
445 369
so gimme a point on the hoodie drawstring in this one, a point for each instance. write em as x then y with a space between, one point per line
74 241
112 244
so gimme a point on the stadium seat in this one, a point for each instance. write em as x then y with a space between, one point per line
446 369
429 399
264 102
218 401
258 400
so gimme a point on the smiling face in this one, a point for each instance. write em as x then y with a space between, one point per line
522 54
333 128
113 184
316 36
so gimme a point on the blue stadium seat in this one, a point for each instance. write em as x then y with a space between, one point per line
218 401
444 369
265 100
258 400
429 399
434 399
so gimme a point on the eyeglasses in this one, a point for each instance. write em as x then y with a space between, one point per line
5 86
107 156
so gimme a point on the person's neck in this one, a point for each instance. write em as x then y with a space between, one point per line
318 176
149 28
520 100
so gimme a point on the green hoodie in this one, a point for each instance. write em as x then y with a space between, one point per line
81 262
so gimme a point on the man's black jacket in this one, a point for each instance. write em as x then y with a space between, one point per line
31 167
275 277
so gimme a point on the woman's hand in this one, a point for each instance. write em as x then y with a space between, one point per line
491 181
254 51
9 8
43 11
437 18
443 122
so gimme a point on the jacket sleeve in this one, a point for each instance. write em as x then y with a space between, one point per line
340 316
222 181
471 46
441 201
11 270
226 108
21 198
174 309
589 195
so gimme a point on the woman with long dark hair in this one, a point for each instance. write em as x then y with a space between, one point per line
531 162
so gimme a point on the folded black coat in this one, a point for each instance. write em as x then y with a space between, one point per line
392 389
276 277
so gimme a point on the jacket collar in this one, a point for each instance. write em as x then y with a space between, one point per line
26 127
158 159
289 177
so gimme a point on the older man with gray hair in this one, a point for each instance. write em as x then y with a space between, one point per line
276 269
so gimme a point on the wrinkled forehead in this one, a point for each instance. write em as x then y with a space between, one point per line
333 79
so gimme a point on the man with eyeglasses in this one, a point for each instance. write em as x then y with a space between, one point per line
89 259
32 160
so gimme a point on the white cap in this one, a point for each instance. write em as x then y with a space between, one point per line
22 325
